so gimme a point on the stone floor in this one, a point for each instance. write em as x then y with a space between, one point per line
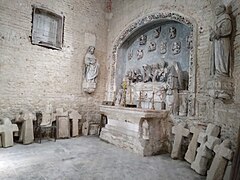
87 158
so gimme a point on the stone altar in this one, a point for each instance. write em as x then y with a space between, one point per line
142 131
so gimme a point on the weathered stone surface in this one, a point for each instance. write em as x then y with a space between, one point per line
26 134
6 131
125 128
204 153
180 131
75 117
63 124
219 163
94 129
85 128
192 147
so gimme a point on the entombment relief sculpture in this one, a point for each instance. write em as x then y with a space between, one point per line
91 71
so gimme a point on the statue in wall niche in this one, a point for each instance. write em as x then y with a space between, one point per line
130 54
91 71
163 47
119 97
152 46
143 39
157 32
147 73
176 47
172 32
139 54
137 76
220 36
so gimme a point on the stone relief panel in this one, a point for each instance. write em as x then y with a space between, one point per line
127 38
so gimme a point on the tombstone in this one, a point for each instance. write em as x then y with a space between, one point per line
63 124
192 147
204 153
180 131
219 163
85 128
75 116
6 131
26 132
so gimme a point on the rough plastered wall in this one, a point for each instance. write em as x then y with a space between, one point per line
207 110
32 76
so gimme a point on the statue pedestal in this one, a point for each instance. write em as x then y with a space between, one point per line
89 87
220 88
140 130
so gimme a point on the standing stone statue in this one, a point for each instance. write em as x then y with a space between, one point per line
91 71
220 36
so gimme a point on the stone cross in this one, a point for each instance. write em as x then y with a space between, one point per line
26 134
219 163
207 140
192 147
180 131
6 131
63 124
75 116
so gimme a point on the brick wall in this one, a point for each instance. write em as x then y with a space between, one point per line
31 76
208 110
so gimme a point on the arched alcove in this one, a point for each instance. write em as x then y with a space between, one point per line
127 49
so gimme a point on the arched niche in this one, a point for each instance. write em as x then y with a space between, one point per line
126 47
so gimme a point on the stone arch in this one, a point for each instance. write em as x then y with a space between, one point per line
144 21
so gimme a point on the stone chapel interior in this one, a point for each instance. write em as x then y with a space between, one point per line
120 79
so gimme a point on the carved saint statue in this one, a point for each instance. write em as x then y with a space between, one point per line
91 70
220 36
147 73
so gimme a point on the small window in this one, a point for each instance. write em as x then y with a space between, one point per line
47 29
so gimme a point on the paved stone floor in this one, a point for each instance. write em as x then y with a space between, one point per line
87 158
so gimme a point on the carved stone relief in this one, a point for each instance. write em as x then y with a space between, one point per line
190 79
172 32
139 54
176 48
130 54
163 47
152 46
143 40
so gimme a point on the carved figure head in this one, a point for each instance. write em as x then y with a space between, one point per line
176 47
220 9
91 49
143 39
163 47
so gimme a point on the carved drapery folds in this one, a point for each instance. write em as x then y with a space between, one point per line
220 85
91 71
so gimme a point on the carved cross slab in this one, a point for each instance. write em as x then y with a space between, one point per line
6 131
192 147
75 116
180 131
223 154
204 152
